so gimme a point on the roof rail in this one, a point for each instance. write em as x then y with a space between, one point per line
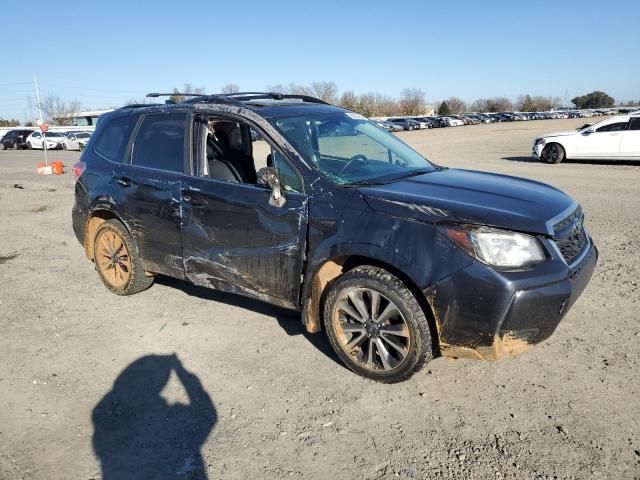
250 96
239 97
155 95
138 105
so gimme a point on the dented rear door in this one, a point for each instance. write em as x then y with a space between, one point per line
234 240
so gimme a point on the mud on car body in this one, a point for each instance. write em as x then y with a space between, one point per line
395 258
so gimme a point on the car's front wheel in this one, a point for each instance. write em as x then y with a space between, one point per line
553 153
376 325
117 260
29 146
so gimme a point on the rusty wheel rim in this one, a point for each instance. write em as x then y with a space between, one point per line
371 329
112 258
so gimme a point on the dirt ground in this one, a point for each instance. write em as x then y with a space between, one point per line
250 395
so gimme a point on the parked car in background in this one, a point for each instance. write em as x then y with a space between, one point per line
15 139
82 143
388 126
405 123
72 140
452 121
616 138
469 119
54 140
394 257
434 122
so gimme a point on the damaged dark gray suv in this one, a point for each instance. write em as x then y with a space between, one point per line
312 207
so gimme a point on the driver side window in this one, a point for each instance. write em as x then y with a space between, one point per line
613 127
232 151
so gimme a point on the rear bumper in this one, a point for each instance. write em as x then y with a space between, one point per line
486 314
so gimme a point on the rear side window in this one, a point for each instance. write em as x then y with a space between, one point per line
159 142
634 123
113 140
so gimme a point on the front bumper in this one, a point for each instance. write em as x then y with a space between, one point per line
536 150
486 314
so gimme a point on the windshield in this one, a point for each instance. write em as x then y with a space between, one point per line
349 149
83 135
53 134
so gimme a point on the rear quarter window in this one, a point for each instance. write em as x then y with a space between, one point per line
114 137
634 123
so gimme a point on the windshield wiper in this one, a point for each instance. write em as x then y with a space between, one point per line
389 178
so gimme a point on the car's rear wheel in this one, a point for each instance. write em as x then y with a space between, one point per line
553 153
376 326
410 128
117 261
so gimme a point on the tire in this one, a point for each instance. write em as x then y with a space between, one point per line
16 146
29 146
407 328
553 153
64 146
2 147
410 128
121 273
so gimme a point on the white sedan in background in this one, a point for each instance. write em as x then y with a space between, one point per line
75 140
54 140
616 138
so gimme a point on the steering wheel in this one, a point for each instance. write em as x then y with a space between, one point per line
352 161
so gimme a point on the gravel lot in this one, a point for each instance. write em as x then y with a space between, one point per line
281 406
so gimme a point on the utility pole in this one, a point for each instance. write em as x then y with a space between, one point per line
44 137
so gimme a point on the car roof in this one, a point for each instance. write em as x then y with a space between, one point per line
268 105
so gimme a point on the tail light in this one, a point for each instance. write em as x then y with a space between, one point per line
77 170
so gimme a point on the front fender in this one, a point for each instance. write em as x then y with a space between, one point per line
416 249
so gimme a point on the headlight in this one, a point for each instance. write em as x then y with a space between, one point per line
540 141
498 248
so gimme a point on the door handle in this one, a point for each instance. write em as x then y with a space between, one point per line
124 181
195 200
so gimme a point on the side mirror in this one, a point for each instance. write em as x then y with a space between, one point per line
267 176
589 131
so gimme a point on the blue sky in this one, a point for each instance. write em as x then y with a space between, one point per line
105 53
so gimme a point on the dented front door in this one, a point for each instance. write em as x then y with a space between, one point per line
233 240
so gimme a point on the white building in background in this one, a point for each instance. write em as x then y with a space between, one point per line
81 121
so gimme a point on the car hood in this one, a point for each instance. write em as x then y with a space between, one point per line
559 134
472 197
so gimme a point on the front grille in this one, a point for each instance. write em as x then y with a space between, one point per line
570 236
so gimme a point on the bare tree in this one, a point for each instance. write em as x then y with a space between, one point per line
230 88
135 101
349 100
480 105
179 96
456 105
499 104
412 101
292 88
527 103
59 111
327 91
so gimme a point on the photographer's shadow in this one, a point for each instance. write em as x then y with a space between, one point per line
138 435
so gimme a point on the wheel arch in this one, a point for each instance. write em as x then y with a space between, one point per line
315 290
561 143
95 219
